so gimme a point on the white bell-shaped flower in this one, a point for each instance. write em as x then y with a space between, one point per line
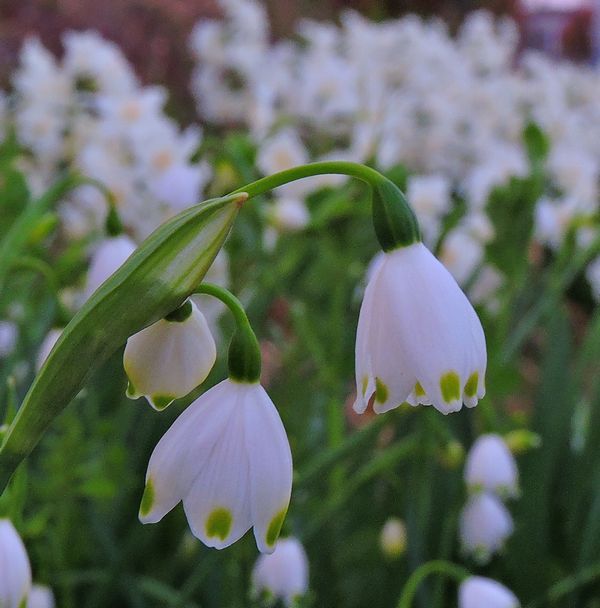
41 597
480 592
485 524
15 571
227 457
283 575
491 466
170 358
418 339
107 258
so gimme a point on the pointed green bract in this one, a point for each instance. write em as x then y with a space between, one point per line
153 282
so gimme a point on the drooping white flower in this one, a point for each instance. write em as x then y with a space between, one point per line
283 574
418 338
485 524
41 597
170 358
107 258
15 571
491 467
392 538
227 457
480 592
289 214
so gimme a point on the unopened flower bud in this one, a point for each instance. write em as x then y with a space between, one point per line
393 538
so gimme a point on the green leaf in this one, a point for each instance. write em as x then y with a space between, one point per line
536 142
155 280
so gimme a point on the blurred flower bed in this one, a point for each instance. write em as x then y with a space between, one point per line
500 157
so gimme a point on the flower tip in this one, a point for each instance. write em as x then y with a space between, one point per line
160 402
242 197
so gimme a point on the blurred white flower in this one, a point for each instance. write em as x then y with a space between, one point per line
289 214
41 597
227 457
46 346
593 276
491 467
283 574
418 338
169 358
481 592
15 572
485 524
392 538
461 254
106 259
9 333
429 196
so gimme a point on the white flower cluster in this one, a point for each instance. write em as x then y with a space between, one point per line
451 109
491 476
89 112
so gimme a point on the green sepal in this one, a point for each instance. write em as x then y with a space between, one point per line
393 218
244 359
154 281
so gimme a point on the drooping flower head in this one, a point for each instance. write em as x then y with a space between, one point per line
485 525
15 571
418 339
392 538
228 459
283 575
490 466
170 358
480 592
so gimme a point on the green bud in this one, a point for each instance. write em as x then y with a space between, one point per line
520 441
153 282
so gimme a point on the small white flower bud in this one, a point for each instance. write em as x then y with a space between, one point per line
490 466
485 524
107 258
392 539
284 573
170 358
480 592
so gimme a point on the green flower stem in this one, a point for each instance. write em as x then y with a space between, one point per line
394 221
244 350
458 573
21 230
568 585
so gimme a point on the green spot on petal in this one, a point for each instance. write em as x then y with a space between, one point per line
23 603
450 385
147 499
419 390
160 402
131 392
365 384
471 385
275 527
219 523
381 391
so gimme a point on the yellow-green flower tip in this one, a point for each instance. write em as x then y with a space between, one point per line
219 523
471 385
275 527
419 390
147 499
160 402
381 391
450 386
131 392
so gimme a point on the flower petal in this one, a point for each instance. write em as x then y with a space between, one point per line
184 450
270 467
217 506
